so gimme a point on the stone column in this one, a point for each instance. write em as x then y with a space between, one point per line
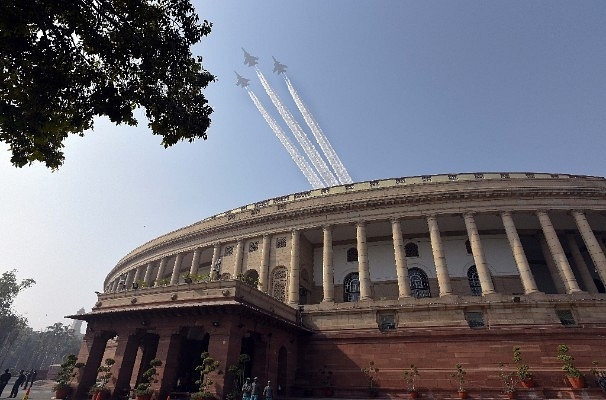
126 352
328 279
214 264
161 269
593 246
195 261
91 354
557 252
555 274
129 279
174 279
148 274
264 275
438 256
478 254
169 348
530 285
579 261
293 285
363 265
137 276
400 256
239 256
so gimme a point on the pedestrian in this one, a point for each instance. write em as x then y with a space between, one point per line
246 389
27 377
17 383
4 378
268 392
255 390
34 373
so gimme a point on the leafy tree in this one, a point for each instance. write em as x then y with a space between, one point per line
63 62
11 323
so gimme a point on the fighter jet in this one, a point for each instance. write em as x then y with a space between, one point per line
241 80
249 59
278 66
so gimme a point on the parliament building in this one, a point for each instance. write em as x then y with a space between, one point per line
315 286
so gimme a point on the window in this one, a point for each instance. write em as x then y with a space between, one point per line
411 250
351 287
278 283
566 317
387 322
474 281
253 246
281 242
419 284
352 254
229 250
475 319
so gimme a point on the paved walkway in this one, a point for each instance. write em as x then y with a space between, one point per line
40 390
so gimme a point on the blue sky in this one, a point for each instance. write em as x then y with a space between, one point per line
400 88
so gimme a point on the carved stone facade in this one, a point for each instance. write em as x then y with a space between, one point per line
430 270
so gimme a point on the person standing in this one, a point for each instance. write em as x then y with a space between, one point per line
33 377
246 390
18 382
255 390
4 378
268 392
27 376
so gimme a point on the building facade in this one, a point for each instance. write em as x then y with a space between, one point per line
314 286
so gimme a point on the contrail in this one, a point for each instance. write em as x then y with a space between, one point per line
300 135
303 165
322 140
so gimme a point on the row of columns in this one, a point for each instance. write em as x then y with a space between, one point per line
555 256
556 259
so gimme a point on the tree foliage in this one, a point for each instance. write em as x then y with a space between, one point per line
63 62
11 324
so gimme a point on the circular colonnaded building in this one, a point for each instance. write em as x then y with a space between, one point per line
315 286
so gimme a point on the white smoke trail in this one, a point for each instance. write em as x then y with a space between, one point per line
300 135
303 165
322 140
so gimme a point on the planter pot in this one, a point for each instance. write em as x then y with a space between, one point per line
101 395
576 383
462 394
527 383
62 393
511 395
413 394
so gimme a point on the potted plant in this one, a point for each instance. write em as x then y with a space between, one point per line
67 371
371 373
410 376
99 391
508 378
459 376
523 372
575 377
327 383
143 391
207 366
599 375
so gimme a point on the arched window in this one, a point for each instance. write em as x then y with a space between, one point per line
474 281
468 247
278 283
419 284
352 254
351 287
411 249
